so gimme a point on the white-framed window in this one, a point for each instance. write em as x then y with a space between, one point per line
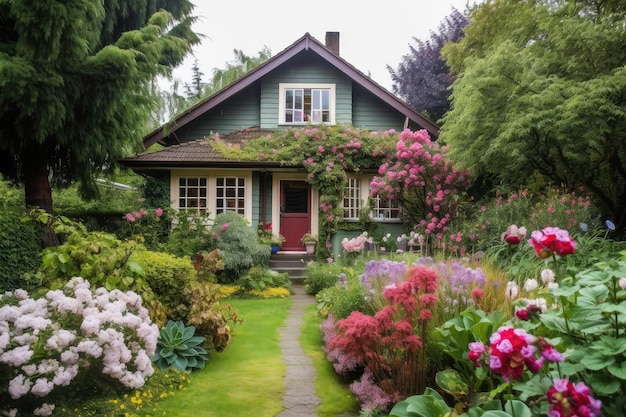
357 192
230 195
352 199
193 195
306 103
199 193
385 210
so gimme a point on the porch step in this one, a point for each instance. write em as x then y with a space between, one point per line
291 263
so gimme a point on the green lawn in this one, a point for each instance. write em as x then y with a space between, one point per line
244 380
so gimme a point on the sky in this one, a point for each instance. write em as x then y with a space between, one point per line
371 37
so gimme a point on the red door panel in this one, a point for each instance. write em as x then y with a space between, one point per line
295 213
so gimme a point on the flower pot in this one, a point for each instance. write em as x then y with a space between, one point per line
275 249
310 247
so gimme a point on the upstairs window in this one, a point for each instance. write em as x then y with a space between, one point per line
307 103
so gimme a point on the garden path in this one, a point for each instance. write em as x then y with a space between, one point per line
300 399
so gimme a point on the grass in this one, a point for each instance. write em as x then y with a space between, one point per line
244 380
332 390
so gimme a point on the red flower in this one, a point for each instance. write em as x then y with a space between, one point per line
514 235
569 399
552 240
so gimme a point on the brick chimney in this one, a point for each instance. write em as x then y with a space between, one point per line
332 42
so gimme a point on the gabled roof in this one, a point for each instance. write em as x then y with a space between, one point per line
306 42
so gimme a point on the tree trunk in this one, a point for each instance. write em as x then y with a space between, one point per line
37 187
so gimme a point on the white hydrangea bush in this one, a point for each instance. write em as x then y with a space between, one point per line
46 342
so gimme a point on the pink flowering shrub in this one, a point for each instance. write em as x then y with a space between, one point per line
390 344
424 181
71 334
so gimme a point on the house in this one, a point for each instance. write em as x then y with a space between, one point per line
308 83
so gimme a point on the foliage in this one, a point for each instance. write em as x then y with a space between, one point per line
390 343
207 265
539 94
189 236
161 385
344 298
74 339
422 78
308 238
423 180
100 258
51 56
319 275
167 276
211 317
238 244
259 278
150 227
178 348
19 250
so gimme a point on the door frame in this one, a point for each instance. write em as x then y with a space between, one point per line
277 177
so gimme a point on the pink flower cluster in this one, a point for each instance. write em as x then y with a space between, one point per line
552 241
49 340
569 400
512 351
355 244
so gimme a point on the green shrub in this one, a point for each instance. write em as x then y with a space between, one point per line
320 275
239 245
260 278
19 241
189 236
178 348
167 276
342 299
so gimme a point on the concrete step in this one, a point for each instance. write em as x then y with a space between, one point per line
293 264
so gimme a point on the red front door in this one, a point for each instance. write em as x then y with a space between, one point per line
295 213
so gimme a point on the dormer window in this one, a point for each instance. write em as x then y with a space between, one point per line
307 103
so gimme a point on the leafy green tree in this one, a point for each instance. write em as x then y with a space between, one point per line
75 84
541 95
422 78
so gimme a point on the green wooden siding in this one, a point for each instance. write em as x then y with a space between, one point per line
258 178
305 70
239 112
372 114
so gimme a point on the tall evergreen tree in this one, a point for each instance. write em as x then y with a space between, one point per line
76 82
542 94
423 79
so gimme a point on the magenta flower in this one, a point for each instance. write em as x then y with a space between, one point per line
158 212
569 399
225 227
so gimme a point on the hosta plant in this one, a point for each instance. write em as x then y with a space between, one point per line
178 348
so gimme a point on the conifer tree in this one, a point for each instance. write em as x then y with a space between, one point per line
76 80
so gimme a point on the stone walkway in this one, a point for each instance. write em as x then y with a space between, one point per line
300 399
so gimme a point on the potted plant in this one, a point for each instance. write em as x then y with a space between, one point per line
309 241
276 241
